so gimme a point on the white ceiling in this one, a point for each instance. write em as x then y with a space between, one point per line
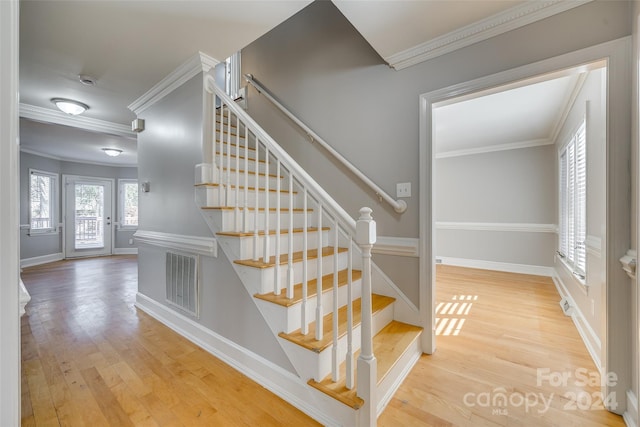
129 46
528 115
419 21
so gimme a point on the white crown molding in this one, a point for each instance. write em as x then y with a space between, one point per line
567 106
84 162
495 148
398 246
193 244
49 115
511 19
496 226
198 63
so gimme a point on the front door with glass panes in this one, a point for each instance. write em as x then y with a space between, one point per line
88 216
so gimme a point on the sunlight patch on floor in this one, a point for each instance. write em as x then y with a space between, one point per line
452 314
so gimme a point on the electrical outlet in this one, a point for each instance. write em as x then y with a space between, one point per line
403 189
131 241
593 307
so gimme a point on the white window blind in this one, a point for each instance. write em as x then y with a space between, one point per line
573 202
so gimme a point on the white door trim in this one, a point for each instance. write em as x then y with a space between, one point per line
617 320
69 252
9 223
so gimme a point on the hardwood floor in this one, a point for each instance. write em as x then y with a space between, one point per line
500 335
90 358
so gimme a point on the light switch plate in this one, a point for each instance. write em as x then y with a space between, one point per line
403 189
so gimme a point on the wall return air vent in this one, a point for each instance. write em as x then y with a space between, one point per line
182 288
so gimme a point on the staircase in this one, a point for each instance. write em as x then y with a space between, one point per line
307 265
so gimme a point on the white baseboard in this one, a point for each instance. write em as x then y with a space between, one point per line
274 378
537 270
44 259
588 335
125 251
630 416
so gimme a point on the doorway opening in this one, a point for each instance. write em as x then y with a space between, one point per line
613 302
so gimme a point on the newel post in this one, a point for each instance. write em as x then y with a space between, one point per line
367 364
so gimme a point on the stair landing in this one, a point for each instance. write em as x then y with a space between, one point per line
388 347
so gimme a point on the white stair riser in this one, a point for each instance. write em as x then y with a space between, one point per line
223 162
235 149
207 173
220 176
314 365
288 319
217 196
261 280
242 247
224 220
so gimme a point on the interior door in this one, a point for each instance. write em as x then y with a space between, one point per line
88 216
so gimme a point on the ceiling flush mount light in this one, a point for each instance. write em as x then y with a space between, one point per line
112 152
69 106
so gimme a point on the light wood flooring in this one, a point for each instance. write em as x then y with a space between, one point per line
495 330
90 358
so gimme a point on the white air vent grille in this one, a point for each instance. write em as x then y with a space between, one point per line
182 282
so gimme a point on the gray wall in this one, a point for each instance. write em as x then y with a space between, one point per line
513 186
42 245
320 67
168 151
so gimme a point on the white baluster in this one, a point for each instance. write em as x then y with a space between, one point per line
236 211
245 211
257 204
220 156
305 326
349 356
290 236
228 190
276 289
266 255
319 308
335 371
367 363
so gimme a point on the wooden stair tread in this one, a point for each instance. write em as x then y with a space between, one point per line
215 184
225 132
284 258
327 284
388 346
230 208
378 303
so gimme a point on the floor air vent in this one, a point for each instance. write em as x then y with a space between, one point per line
182 282
566 306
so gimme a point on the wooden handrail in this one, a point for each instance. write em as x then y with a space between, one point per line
398 205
